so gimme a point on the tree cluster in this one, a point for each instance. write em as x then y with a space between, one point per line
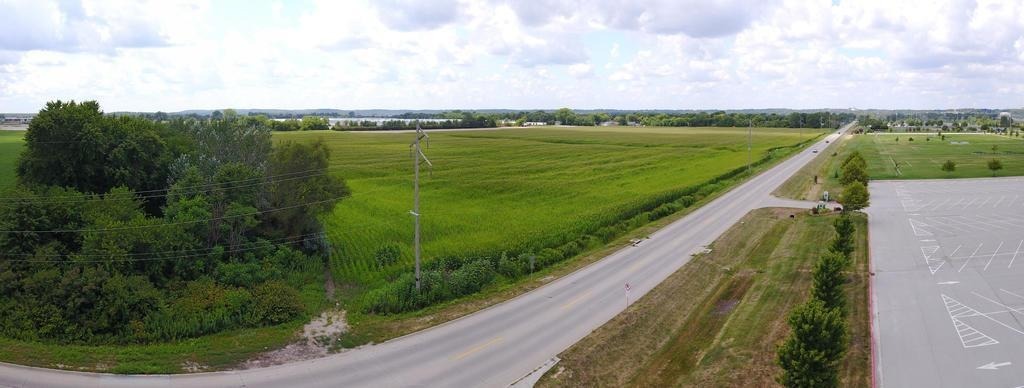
811 355
125 230
854 178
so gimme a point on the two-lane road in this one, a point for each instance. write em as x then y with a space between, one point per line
498 345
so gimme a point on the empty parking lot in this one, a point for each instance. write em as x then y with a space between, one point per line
948 258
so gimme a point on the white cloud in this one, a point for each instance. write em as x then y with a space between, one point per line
581 70
457 53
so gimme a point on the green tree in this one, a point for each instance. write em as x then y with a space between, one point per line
855 196
995 165
811 355
304 188
854 171
949 166
843 243
74 145
827 281
314 123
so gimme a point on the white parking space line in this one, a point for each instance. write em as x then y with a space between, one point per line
993 256
1001 198
1008 292
970 257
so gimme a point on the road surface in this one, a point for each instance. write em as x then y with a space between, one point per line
948 258
496 346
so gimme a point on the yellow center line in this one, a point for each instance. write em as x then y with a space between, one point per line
576 300
477 348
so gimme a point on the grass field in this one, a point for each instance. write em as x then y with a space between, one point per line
922 158
516 189
10 147
719 319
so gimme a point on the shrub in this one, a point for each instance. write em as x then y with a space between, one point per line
276 302
949 166
471 277
244 274
387 254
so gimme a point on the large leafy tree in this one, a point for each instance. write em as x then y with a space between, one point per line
302 186
855 196
75 145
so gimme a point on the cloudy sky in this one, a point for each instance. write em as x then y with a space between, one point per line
444 54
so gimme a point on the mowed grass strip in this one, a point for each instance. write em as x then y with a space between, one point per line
802 184
719 319
922 158
515 189
11 143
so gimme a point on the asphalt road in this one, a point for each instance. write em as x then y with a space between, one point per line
948 291
496 346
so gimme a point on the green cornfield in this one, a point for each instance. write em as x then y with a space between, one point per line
514 190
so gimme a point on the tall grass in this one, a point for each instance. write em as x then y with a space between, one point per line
11 144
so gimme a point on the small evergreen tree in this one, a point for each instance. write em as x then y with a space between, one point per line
995 165
843 243
811 355
949 166
827 281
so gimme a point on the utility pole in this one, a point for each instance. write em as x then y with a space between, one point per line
418 157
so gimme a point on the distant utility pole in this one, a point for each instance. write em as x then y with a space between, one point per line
418 157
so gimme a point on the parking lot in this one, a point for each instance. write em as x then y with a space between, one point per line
948 292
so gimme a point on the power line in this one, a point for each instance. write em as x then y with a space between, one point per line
197 250
149 258
132 194
185 192
170 223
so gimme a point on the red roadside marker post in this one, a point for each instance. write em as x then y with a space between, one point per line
627 295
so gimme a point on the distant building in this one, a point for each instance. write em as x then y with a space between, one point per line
17 120
534 123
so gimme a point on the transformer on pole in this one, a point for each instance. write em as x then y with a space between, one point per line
418 157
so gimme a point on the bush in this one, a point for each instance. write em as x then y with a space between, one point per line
471 278
276 302
245 274
387 255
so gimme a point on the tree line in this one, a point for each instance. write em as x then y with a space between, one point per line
812 354
123 229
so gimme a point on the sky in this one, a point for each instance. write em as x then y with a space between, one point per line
173 55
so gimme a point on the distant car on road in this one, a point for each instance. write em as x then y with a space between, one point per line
814 151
